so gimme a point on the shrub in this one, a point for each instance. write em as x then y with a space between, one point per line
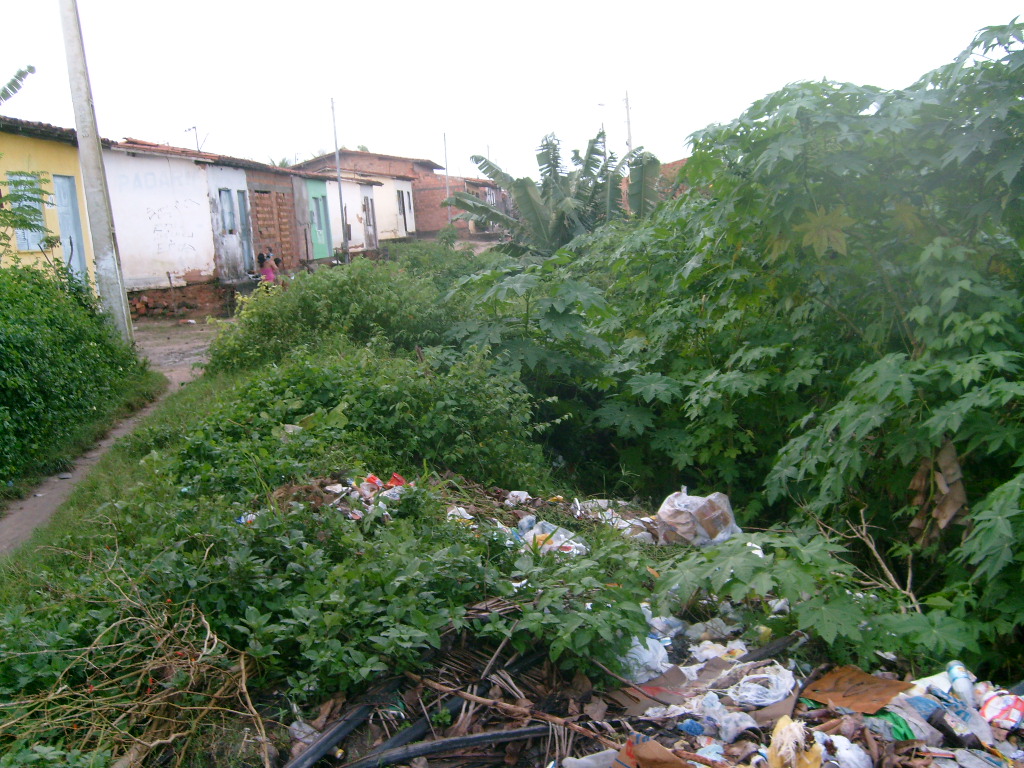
441 263
63 368
386 410
360 300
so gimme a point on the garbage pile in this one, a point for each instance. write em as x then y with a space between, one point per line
484 706
681 519
692 694
348 497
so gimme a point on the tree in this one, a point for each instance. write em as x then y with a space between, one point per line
21 209
15 83
564 203
21 197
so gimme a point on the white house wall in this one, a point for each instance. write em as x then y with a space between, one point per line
161 210
230 237
405 187
385 200
353 200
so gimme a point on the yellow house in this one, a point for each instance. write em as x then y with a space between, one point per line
27 147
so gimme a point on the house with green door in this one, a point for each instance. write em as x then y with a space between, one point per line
318 229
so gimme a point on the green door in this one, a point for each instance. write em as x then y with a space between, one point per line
319 221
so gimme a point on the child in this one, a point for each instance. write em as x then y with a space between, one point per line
267 274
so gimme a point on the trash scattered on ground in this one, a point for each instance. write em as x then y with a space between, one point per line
693 693
731 709
548 537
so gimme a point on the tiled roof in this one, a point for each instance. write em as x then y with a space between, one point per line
330 156
140 146
38 130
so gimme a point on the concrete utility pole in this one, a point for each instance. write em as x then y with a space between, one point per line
629 128
109 281
341 197
447 191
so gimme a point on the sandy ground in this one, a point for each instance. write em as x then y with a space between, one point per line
172 348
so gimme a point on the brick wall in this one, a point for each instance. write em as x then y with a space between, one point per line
195 300
427 194
274 226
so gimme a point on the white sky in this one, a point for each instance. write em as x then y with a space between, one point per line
256 78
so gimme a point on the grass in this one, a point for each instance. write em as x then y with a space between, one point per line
91 511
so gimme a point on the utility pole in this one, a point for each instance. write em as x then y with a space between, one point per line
629 128
341 197
447 192
109 280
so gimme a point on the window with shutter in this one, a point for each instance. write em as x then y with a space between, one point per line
21 188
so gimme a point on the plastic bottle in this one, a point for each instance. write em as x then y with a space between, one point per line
961 682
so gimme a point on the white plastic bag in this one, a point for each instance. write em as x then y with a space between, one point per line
845 752
698 520
646 659
770 685
730 724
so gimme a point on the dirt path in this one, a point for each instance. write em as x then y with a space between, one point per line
172 348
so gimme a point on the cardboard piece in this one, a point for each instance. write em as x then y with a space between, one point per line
774 712
642 753
855 689
672 686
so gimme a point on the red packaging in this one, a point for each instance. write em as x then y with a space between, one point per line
1004 710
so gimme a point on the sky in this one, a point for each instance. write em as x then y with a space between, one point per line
256 79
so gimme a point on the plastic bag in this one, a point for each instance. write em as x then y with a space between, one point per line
646 659
548 537
844 751
708 650
729 724
768 686
697 520
1003 710
517 498
597 760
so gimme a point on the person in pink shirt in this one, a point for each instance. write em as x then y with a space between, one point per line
267 274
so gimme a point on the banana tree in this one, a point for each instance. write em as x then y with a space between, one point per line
565 203
14 84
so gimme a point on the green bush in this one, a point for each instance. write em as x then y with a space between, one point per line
387 411
63 369
439 263
360 301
